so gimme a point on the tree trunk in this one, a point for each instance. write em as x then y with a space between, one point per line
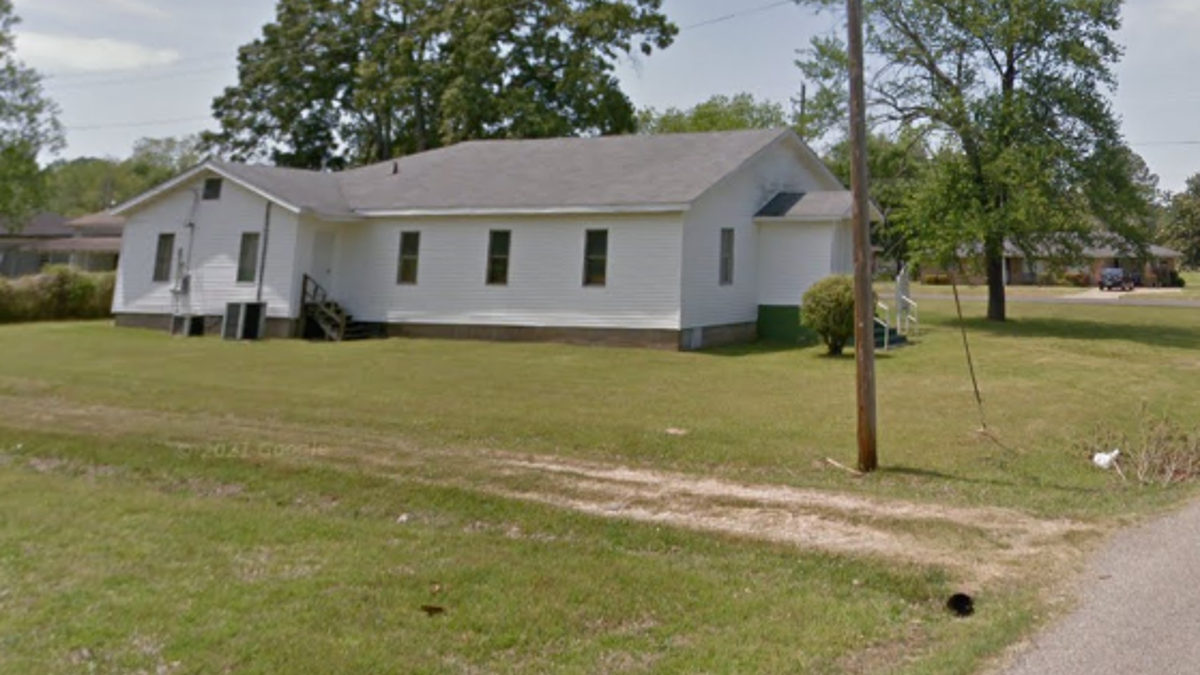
994 261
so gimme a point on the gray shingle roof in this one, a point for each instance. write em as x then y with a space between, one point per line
41 225
78 245
556 173
312 190
102 224
561 174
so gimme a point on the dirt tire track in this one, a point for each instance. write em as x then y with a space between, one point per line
812 519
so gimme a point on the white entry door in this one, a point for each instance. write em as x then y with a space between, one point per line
324 242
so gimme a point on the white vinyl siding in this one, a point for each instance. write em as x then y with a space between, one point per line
732 204
215 248
793 256
545 267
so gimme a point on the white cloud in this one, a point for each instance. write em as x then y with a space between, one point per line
64 53
74 8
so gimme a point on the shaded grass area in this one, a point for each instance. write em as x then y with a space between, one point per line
116 556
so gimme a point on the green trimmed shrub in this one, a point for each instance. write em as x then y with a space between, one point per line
828 310
57 294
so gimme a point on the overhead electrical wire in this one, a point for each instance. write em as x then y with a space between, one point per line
58 77
738 15
54 78
136 125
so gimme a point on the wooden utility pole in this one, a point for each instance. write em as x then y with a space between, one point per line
864 296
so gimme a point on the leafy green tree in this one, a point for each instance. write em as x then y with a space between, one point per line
338 82
1013 97
1181 229
28 127
89 184
897 167
719 113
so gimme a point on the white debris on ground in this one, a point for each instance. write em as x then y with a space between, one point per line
1106 460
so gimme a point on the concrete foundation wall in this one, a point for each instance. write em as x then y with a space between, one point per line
672 340
276 328
612 337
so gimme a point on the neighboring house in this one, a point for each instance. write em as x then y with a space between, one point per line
676 241
96 246
91 243
19 254
1155 268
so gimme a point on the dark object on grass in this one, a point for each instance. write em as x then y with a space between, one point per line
961 604
433 610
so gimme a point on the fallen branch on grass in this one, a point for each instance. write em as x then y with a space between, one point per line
854 472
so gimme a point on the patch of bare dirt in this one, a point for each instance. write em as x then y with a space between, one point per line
811 519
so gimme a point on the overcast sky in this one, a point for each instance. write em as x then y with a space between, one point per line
124 69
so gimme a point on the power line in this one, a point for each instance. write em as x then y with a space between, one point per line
87 79
202 58
138 125
139 80
1164 143
168 76
737 15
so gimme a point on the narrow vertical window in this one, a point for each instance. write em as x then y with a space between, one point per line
162 257
727 257
499 242
595 258
247 270
410 253
212 189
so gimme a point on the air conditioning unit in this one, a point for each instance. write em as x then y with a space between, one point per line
245 321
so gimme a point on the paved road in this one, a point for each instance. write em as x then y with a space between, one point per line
1139 611
1127 301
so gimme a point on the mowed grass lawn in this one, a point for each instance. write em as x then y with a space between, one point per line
166 505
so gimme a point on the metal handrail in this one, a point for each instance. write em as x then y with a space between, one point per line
886 322
887 333
909 317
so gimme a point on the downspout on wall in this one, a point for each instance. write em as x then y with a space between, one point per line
266 240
